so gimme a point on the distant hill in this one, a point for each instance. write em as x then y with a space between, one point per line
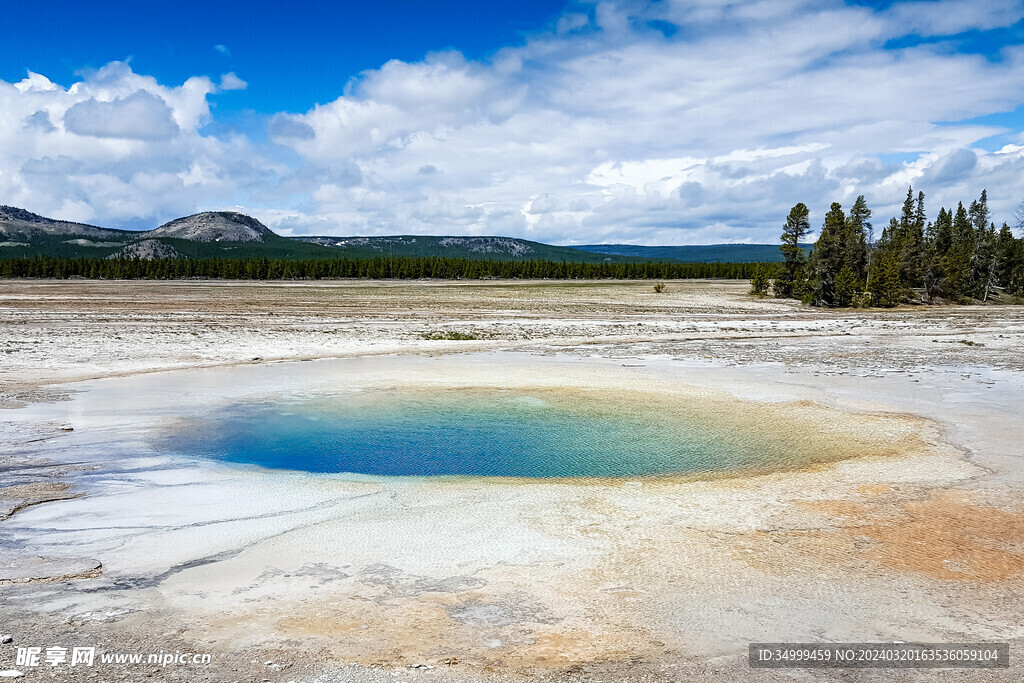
214 226
21 225
229 234
210 234
700 253
493 248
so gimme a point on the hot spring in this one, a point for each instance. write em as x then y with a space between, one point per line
479 432
485 432
465 417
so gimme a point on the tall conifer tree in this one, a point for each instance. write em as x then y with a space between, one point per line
855 242
828 256
790 278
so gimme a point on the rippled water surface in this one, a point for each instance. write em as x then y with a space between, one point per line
481 432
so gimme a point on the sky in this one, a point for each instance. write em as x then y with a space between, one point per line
656 122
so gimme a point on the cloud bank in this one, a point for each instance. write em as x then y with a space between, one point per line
661 123
118 148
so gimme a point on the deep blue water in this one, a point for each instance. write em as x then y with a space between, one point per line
472 432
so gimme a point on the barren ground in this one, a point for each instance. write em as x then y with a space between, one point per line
920 537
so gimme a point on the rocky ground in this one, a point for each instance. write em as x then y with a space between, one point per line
660 582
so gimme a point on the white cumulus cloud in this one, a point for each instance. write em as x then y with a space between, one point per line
679 121
140 116
230 81
605 128
119 148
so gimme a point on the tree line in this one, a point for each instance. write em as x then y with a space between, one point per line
403 268
959 257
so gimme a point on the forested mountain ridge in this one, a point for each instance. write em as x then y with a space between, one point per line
21 225
229 234
203 235
470 247
695 253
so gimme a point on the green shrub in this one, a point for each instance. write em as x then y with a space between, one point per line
448 335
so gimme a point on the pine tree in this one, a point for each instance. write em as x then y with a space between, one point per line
909 212
983 265
886 287
855 240
790 277
956 262
963 232
983 255
885 284
828 257
1016 285
939 240
943 232
909 239
920 217
979 212
1006 257
846 286
759 283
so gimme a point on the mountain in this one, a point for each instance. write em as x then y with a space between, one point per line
21 225
214 226
483 246
700 253
210 234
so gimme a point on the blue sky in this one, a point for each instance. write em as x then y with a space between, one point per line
293 54
667 122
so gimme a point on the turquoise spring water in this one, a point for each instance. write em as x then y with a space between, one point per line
478 432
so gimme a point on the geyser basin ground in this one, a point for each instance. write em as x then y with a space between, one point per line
823 536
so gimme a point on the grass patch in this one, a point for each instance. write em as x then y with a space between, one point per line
448 335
